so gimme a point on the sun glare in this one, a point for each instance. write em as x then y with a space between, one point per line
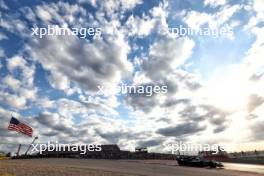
229 95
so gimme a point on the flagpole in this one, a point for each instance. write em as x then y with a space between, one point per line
31 144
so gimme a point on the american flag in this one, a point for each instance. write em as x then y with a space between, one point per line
15 125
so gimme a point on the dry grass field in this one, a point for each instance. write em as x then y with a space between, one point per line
85 167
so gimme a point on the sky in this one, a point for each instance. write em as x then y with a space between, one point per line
214 83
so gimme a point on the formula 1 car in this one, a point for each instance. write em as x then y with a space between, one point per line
198 162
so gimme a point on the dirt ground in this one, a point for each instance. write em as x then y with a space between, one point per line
89 167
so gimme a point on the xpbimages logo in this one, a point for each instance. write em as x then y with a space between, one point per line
58 147
143 89
55 30
187 147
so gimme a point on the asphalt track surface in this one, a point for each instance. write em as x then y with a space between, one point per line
91 167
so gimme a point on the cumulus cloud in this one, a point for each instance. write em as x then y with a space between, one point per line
12 82
214 3
141 102
56 122
140 26
165 55
87 64
195 19
22 89
112 5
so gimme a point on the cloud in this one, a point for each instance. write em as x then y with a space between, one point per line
59 81
150 143
141 102
195 19
214 3
256 77
165 55
43 14
14 25
190 112
27 69
111 6
258 17
179 88
51 133
4 118
180 130
63 13
56 122
89 65
66 107
115 136
145 101
258 5
3 5
257 131
254 102
21 88
2 53
14 101
140 27
12 82
220 128
174 102
3 36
